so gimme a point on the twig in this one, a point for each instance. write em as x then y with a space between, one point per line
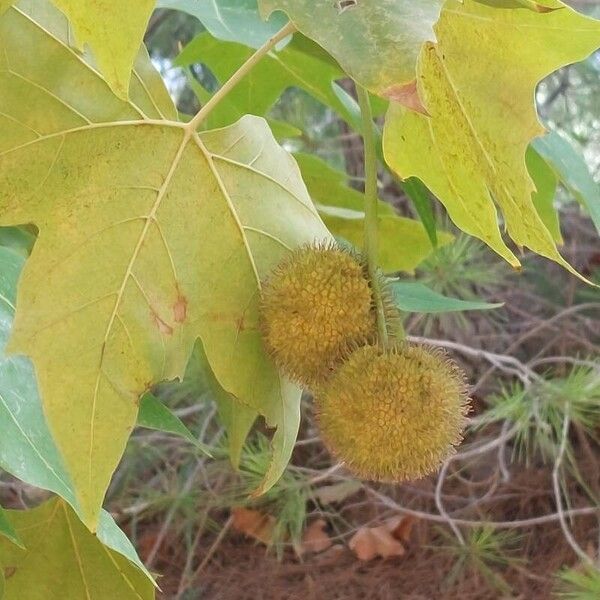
325 474
371 229
440 504
558 494
517 523
504 362
213 548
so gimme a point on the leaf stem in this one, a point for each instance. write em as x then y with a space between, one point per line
371 231
239 75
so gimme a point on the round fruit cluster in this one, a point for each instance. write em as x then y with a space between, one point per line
391 412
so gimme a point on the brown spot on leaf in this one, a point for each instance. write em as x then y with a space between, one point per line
180 309
543 9
408 96
163 327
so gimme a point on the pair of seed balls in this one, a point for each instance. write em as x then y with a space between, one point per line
390 414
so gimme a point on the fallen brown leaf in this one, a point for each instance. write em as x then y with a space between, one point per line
403 528
254 524
315 538
383 541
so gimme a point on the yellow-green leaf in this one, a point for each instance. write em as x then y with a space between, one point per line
470 148
63 560
404 243
154 414
151 236
546 184
114 30
8 531
235 416
375 41
27 449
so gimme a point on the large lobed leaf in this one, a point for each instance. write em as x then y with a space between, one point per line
570 167
470 147
412 296
377 42
404 243
230 20
236 418
8 531
27 449
546 184
62 559
300 64
150 237
112 29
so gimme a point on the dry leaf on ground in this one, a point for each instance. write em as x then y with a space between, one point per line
254 524
315 538
383 541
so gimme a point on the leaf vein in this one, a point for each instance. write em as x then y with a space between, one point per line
268 235
29 441
267 177
77 553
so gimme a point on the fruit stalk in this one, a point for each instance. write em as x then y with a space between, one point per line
371 231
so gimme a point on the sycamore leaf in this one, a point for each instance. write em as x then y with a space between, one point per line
8 531
27 449
26 446
404 243
470 148
151 236
19 239
375 41
315 539
227 112
297 65
231 20
572 170
254 524
546 184
153 414
114 30
5 4
423 203
235 416
38 76
381 541
412 296
64 560
329 187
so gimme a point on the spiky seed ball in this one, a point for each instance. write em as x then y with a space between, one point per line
316 305
393 415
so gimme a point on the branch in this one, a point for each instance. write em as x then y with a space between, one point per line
371 236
